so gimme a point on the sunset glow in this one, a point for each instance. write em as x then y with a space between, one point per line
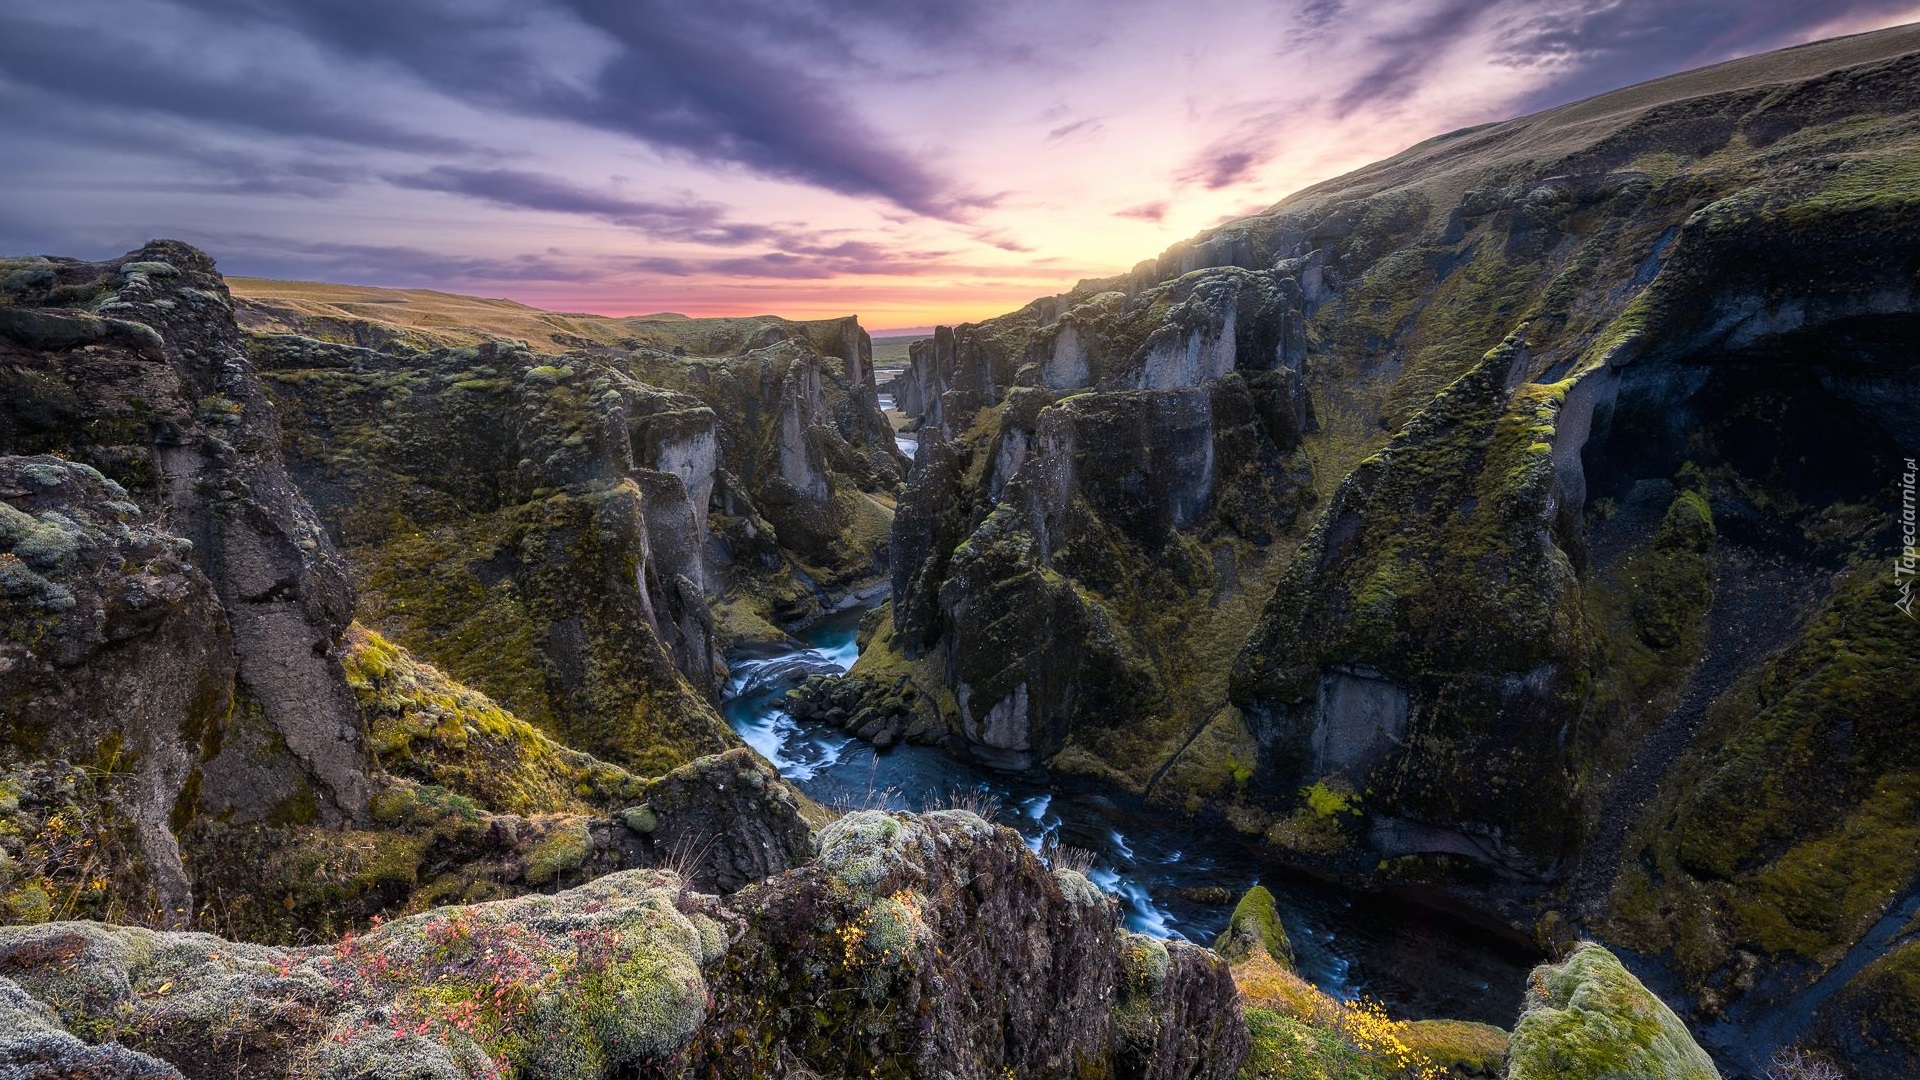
914 164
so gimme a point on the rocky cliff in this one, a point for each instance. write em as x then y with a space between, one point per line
1561 457
190 516
174 609
501 506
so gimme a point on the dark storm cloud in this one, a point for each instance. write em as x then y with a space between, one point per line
752 83
55 126
1400 60
684 79
1615 43
699 223
262 255
98 67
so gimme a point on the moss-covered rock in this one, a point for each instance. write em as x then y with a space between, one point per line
423 726
33 1046
897 943
1873 1023
724 821
1435 576
1588 1018
1788 829
578 985
116 677
888 955
1255 925
1020 533
550 530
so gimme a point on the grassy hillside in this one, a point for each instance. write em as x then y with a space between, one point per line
421 317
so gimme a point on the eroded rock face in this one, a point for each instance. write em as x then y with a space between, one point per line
1587 443
557 530
917 946
939 944
802 435
528 522
728 819
115 653
1359 715
1021 543
136 367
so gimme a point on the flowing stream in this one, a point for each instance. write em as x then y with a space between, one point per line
908 444
1419 962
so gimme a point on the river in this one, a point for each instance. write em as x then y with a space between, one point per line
908 444
1419 962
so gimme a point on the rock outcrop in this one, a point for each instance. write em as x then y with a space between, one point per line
936 945
136 368
174 610
473 804
116 656
1588 1018
1568 473
1255 928
1033 508
195 731
579 536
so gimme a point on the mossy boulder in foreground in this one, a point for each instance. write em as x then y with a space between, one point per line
911 946
1588 1018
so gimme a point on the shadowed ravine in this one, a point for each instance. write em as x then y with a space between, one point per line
1417 961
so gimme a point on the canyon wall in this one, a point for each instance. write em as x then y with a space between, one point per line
1560 456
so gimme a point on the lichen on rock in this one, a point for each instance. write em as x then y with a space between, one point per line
1588 1018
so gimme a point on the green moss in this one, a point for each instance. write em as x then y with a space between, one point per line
1589 1019
641 819
1144 963
1328 797
1823 893
1434 568
420 587
1218 764
1460 1048
1288 1049
1255 925
559 853
424 726
1672 584
1778 837
862 848
597 981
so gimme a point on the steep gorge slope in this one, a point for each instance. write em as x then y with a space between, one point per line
499 506
1535 442
196 730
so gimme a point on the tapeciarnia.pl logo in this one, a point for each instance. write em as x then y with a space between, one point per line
1908 563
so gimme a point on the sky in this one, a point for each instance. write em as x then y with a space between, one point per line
910 161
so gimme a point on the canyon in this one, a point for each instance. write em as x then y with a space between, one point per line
398 684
